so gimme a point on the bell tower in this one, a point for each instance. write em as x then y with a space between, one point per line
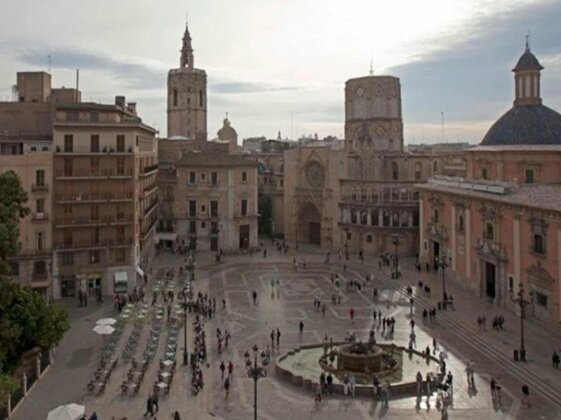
527 75
187 101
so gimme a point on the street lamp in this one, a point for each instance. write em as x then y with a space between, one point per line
256 372
443 262
519 300
395 240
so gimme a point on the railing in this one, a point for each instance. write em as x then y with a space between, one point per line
40 276
77 198
148 169
96 244
40 217
81 221
150 208
39 187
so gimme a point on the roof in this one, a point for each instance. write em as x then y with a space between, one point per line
214 159
540 197
527 61
525 125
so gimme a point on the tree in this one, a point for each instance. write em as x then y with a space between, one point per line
265 209
12 199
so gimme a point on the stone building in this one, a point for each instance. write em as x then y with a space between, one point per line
357 196
105 197
499 227
208 192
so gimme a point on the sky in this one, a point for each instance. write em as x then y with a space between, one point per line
281 65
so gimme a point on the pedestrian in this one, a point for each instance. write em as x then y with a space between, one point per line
525 395
555 360
273 338
323 310
318 394
149 406
155 400
434 345
301 327
278 338
329 383
450 381
411 304
230 369
469 374
493 385
176 415
254 297
412 324
226 387
222 369
352 314
419 381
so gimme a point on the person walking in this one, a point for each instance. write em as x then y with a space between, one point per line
226 387
230 370
301 328
273 339
411 304
525 395
155 400
149 406
555 360
222 369
469 375
329 383
352 314
278 338
254 297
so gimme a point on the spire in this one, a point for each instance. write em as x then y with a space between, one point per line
187 59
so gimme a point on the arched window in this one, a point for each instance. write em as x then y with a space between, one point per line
395 172
363 218
461 223
175 97
417 171
353 216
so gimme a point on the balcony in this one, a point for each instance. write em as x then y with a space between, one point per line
40 217
41 276
120 197
151 208
39 187
80 174
121 220
93 245
149 170
65 222
98 152
126 173
80 198
148 190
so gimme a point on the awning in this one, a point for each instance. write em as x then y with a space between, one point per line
166 236
121 277
140 271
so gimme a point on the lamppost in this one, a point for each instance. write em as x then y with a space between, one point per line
348 232
256 372
522 302
184 305
443 262
395 240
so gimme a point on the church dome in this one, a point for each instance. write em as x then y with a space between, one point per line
528 122
525 125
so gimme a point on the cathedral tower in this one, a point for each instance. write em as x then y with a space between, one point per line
187 109
373 114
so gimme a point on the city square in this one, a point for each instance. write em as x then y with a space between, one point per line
283 307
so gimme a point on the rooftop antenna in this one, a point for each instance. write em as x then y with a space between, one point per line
371 71
528 41
50 59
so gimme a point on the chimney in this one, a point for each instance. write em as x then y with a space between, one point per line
120 101
131 106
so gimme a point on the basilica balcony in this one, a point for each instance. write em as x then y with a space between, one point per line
490 249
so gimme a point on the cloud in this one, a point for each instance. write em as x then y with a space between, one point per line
235 87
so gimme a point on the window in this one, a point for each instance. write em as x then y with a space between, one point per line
369 239
94 212
435 216
461 223
95 236
214 178
354 217
68 169
68 238
203 225
40 178
68 143
193 228
68 209
541 299
203 208
214 228
94 165
39 241
33 148
120 166
510 283
203 176
175 97
244 207
538 244
417 171
484 174
40 205
395 172
120 254
214 208
45 148
192 178
39 269
120 143
201 98
67 258
72 116
374 218
94 256
244 176
435 167
489 231
192 208
94 143
94 117
13 268
529 176
415 218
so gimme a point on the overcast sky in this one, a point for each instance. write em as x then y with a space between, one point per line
282 64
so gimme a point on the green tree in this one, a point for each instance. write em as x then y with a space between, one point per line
12 208
265 209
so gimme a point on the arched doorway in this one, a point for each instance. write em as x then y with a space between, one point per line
309 222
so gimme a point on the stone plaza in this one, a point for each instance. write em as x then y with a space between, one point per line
283 306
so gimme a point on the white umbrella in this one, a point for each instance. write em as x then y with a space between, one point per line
106 321
104 329
67 412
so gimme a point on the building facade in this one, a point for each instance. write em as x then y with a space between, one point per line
105 197
499 227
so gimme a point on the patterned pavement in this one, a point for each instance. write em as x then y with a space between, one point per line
284 307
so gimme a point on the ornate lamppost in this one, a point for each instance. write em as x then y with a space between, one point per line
522 302
395 241
443 262
256 372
